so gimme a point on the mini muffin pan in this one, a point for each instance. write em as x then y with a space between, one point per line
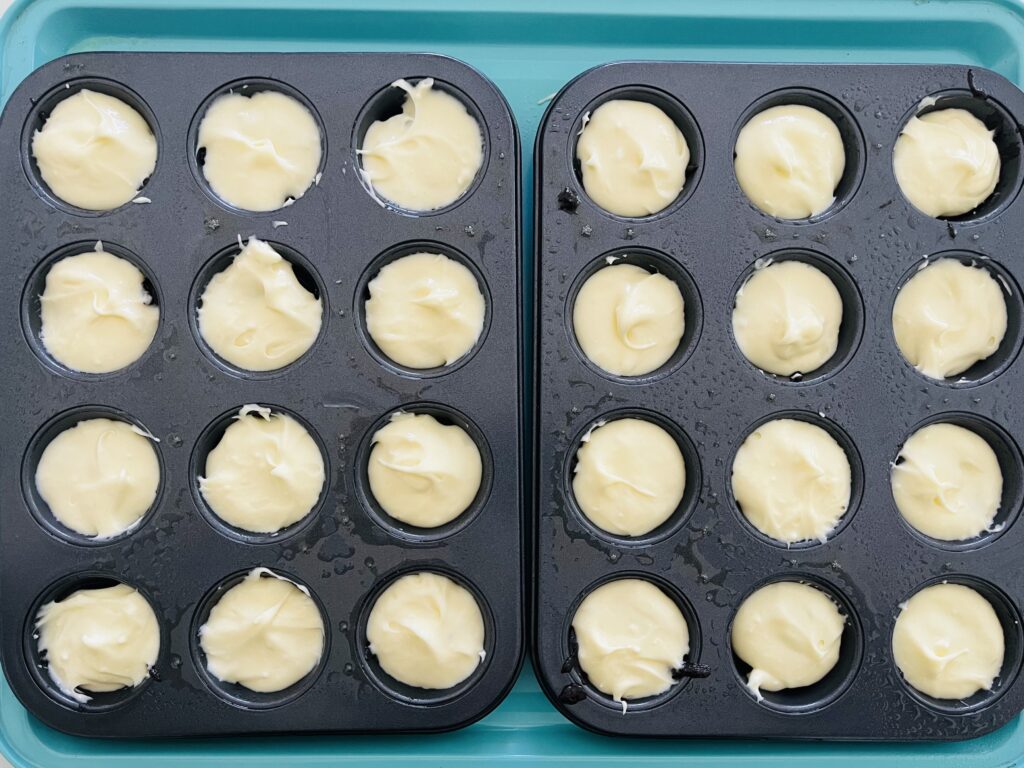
181 557
707 557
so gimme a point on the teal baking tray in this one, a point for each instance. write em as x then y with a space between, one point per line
530 48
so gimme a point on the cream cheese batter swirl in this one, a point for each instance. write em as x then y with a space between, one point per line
792 480
255 314
96 314
265 633
427 156
427 631
94 151
422 472
98 640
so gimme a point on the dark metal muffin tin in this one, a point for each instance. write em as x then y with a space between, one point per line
181 557
707 557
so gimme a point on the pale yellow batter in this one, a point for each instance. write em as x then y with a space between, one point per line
422 472
947 482
948 317
789 161
628 321
94 151
99 477
946 162
427 631
948 642
262 151
787 318
425 310
98 640
265 474
255 314
633 158
629 476
96 314
427 156
266 633
789 634
792 480
631 637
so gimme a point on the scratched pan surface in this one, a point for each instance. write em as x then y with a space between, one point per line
181 558
706 556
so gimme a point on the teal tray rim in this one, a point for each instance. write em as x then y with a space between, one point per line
833 751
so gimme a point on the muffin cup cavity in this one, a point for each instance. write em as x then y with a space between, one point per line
306 275
411 535
851 328
1007 138
853 144
248 87
810 698
1013 638
210 438
41 111
676 111
409 694
654 262
362 295
856 477
36 661
1011 465
691 491
234 693
33 453
578 678
31 307
388 102
995 364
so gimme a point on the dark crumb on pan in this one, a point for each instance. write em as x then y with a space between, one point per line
691 670
568 201
572 694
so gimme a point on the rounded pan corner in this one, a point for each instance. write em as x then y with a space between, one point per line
486 82
971 73
560 94
69 63
492 705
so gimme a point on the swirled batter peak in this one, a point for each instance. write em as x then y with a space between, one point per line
98 640
255 314
427 631
97 316
628 321
261 151
94 151
633 158
427 156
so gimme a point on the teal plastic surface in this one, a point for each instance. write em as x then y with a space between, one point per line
530 48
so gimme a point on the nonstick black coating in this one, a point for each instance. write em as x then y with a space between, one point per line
180 393
870 241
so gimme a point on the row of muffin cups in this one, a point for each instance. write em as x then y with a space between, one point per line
845 648
265 111
382 664
790 140
378 494
674 327
397 273
649 451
